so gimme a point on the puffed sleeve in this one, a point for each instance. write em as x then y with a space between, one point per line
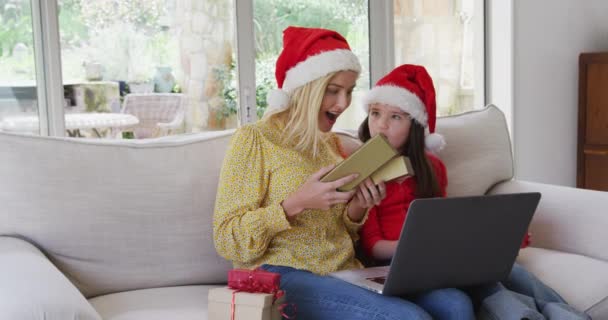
242 229
344 148
352 226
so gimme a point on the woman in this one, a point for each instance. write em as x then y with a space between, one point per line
273 212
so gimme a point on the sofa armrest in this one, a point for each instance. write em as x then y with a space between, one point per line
32 288
567 219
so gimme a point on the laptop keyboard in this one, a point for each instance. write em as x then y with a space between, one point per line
379 280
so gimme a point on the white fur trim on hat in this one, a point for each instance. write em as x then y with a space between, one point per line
434 142
317 66
398 97
277 100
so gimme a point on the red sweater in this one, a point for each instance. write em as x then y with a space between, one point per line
385 221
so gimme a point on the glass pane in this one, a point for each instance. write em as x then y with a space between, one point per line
439 35
348 17
18 97
147 68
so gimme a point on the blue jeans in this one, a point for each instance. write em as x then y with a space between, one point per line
326 298
522 295
522 281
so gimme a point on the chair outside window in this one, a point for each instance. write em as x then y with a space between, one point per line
159 113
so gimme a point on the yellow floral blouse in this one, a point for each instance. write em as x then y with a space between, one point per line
250 227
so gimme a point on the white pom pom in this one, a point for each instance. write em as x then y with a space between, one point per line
434 142
277 99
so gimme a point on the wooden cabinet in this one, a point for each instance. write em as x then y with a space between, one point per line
592 158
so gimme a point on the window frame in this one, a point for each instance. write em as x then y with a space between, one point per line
47 55
382 57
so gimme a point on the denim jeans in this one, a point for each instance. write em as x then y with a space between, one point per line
522 281
522 295
326 298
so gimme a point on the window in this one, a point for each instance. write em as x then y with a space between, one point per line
113 52
443 36
162 61
348 17
18 96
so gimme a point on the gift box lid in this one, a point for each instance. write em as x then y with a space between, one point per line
224 295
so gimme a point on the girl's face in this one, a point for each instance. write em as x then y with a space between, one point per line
390 121
337 98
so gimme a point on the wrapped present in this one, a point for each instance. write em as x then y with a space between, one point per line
254 280
229 304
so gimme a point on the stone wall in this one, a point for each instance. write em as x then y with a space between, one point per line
206 36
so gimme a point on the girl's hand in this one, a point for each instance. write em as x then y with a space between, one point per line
384 249
314 194
367 196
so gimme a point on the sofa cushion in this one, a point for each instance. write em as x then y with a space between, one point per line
580 280
175 303
478 151
567 219
116 215
32 288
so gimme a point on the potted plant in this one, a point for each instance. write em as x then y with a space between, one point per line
223 107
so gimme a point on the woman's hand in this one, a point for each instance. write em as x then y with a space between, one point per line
367 196
314 194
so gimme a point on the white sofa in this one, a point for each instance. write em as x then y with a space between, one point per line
122 230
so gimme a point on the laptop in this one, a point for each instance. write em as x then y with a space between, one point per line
452 242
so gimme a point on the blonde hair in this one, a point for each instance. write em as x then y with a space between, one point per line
300 120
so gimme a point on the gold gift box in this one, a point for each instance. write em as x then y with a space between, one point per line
247 306
375 158
396 167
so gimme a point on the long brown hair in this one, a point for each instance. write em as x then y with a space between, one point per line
427 185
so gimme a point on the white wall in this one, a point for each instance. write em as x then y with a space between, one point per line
548 36
499 56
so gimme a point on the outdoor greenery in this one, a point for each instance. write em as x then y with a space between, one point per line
129 39
16 40
349 17
229 92
271 17
15 25
132 39
126 36
225 76
115 33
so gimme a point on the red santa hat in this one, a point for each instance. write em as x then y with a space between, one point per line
308 54
410 88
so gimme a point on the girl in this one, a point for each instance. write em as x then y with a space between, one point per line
401 107
273 212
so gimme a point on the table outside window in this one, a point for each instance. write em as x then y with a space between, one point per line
74 122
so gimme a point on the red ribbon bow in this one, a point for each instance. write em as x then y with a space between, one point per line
256 281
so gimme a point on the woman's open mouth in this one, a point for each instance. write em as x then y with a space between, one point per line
331 116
